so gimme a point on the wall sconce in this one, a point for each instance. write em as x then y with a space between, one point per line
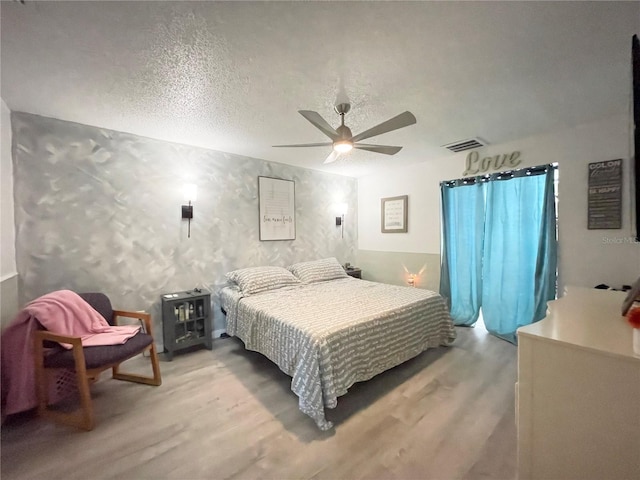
190 192
411 281
341 209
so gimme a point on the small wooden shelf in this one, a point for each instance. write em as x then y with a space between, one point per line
186 320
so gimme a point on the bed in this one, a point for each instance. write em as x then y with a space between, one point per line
329 334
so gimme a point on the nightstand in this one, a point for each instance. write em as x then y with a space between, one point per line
186 320
354 272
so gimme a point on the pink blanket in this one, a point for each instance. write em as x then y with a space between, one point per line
63 312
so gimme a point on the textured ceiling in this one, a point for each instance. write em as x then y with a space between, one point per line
231 76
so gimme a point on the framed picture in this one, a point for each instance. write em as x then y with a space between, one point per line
394 214
604 209
277 209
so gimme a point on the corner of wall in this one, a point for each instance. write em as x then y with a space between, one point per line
8 274
9 299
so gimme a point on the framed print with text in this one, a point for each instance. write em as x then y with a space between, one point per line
605 195
394 214
277 209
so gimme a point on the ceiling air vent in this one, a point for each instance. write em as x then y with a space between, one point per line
467 144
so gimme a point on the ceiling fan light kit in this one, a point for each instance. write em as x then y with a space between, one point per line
343 146
343 141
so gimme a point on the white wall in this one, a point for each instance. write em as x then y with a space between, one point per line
421 183
8 275
587 257
7 229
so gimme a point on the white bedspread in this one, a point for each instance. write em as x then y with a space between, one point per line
329 335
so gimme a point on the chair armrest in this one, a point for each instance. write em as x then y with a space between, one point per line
38 344
38 354
42 335
144 316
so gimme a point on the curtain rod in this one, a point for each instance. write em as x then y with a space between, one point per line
507 175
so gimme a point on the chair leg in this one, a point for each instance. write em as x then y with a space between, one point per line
81 418
85 396
155 365
155 380
42 386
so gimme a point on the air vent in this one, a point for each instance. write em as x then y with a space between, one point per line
468 144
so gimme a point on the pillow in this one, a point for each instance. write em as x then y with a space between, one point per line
261 279
318 270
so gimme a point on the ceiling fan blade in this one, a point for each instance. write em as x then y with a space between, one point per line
320 123
326 144
403 120
333 156
386 149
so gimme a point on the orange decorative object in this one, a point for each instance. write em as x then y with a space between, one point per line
633 317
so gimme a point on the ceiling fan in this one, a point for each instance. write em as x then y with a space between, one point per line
342 138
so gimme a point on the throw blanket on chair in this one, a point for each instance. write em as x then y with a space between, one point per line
63 312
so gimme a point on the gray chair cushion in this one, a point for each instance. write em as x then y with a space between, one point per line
101 355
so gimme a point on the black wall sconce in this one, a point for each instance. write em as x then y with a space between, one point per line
341 209
339 223
190 194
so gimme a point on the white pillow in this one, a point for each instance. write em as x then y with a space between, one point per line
318 270
261 279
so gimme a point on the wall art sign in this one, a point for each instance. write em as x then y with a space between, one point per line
506 161
277 209
394 214
605 195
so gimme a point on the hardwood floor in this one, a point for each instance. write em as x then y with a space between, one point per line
229 413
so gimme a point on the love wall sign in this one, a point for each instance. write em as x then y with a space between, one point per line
497 162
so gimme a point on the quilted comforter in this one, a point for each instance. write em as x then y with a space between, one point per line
329 335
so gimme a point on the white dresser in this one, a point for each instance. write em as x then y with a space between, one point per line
578 391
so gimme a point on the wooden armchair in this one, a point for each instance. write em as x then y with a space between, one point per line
88 362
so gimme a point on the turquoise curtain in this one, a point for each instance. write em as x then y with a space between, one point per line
519 254
547 262
461 255
499 249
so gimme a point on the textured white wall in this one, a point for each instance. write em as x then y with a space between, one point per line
99 210
7 230
587 257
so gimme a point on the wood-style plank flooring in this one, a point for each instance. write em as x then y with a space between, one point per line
229 413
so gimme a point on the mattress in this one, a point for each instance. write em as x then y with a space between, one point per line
329 335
